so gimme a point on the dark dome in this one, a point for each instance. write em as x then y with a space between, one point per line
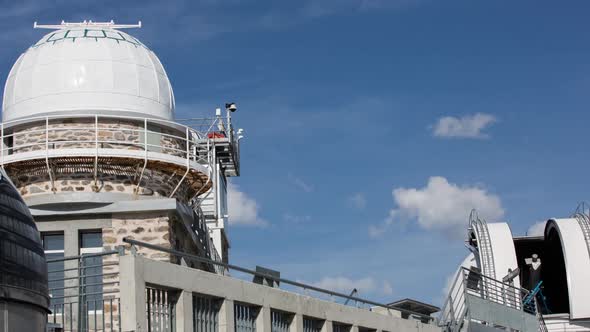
23 269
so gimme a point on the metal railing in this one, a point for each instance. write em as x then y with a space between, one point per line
205 313
94 135
245 317
300 285
100 132
280 321
160 309
83 293
472 283
312 324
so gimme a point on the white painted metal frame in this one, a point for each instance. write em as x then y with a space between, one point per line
187 158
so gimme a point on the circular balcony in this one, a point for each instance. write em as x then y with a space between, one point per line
100 153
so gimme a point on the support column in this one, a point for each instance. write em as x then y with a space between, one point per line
132 283
327 327
354 328
297 323
263 323
226 316
184 311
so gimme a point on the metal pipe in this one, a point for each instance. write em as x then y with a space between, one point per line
47 154
268 276
188 164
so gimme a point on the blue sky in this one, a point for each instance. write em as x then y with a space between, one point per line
372 126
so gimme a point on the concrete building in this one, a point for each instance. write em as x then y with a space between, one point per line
90 140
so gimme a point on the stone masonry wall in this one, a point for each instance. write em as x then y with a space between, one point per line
81 133
154 183
156 228
148 227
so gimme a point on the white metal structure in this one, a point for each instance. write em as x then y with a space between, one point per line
88 68
577 264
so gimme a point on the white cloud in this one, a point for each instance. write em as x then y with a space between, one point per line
242 209
537 229
294 219
441 206
299 183
468 126
358 201
345 285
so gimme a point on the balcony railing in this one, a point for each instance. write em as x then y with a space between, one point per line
473 295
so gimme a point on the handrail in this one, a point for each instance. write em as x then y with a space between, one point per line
473 283
271 277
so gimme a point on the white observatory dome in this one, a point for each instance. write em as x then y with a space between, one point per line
88 70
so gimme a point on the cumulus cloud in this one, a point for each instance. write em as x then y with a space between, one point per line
468 126
440 206
365 285
537 229
358 201
242 209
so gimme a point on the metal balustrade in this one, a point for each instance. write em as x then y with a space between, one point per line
205 313
160 307
245 317
280 321
312 324
471 288
101 136
339 327
84 295
304 287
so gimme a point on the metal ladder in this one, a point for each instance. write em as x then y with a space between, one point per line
484 244
582 215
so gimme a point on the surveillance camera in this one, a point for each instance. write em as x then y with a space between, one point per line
231 106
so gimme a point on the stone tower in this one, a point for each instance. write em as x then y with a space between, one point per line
90 141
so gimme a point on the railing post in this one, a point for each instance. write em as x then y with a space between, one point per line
188 165
47 154
145 137
96 152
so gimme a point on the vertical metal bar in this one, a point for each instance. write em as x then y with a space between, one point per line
145 148
149 313
95 318
188 165
104 313
96 152
47 153
71 318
